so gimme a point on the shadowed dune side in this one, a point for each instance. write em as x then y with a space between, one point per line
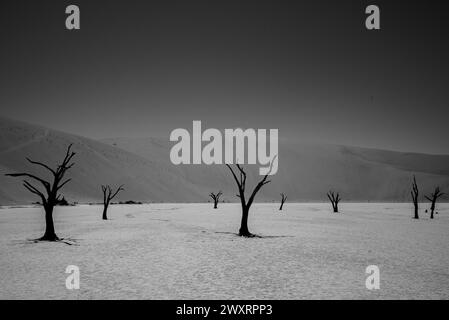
95 163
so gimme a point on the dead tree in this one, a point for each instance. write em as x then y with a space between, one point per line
241 184
283 198
334 199
433 199
415 193
108 195
216 198
51 196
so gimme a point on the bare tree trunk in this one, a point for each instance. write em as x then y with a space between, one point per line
415 194
108 195
432 209
244 232
433 199
241 184
216 198
283 199
51 196
334 199
50 234
105 210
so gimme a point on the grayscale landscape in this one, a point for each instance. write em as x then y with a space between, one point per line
254 150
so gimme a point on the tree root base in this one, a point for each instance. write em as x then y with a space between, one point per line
67 241
49 238
248 235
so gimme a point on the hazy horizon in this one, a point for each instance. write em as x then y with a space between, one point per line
284 139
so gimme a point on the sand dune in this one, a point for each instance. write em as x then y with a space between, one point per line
306 171
96 164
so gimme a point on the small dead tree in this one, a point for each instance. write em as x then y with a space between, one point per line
415 193
283 198
241 184
216 198
433 199
108 195
334 199
51 197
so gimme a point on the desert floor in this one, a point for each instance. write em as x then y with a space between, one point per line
190 251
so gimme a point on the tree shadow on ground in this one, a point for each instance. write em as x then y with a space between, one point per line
258 236
67 241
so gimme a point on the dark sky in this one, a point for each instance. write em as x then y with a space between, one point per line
310 69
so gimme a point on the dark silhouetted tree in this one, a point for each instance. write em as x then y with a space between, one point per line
334 199
241 184
216 198
415 193
51 197
283 198
433 199
108 195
